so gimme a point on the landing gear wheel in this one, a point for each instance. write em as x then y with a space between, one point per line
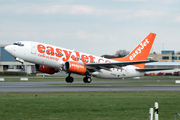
69 79
87 79
22 67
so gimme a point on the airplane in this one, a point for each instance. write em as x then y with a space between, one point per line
51 59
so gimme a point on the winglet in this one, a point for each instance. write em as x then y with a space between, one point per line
141 52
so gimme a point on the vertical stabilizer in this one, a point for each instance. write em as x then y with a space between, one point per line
141 52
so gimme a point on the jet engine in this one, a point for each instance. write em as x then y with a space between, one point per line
75 67
45 69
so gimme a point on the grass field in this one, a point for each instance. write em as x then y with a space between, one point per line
88 105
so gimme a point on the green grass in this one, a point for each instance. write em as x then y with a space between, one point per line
88 105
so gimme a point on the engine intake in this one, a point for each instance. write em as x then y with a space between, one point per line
75 67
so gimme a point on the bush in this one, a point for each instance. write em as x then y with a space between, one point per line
14 73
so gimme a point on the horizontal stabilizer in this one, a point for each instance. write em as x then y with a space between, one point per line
146 70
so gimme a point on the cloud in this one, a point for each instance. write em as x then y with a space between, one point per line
68 9
82 35
23 34
76 9
177 19
170 1
117 15
63 9
147 13
131 0
1 34
129 15
20 34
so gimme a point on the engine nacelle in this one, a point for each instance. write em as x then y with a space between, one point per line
45 69
75 67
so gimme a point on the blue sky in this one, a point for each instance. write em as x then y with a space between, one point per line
96 26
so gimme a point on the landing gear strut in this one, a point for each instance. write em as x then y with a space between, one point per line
69 79
21 61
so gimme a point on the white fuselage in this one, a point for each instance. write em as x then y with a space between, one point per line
55 57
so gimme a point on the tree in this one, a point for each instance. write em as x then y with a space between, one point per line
119 53
178 52
109 56
122 53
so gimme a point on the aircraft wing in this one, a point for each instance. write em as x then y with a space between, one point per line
92 67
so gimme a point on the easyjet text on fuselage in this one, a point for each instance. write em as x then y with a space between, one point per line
67 54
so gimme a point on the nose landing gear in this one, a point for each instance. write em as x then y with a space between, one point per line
22 66
21 61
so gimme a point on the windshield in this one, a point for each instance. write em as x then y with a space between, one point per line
18 44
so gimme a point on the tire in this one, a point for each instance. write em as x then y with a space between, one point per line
22 67
69 79
87 79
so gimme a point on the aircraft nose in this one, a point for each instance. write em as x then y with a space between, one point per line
8 48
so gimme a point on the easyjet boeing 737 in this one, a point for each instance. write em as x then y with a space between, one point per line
50 59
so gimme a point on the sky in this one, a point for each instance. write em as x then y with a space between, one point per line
95 27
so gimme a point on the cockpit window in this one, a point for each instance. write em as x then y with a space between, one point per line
18 44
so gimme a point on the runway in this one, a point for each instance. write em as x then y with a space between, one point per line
52 87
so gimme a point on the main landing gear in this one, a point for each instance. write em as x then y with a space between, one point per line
70 79
87 79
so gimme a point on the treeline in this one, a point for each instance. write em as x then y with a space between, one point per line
118 54
13 73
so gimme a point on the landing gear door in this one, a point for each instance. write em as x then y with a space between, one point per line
33 48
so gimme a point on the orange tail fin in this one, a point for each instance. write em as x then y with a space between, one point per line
141 52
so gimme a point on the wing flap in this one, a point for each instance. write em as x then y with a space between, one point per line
119 65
